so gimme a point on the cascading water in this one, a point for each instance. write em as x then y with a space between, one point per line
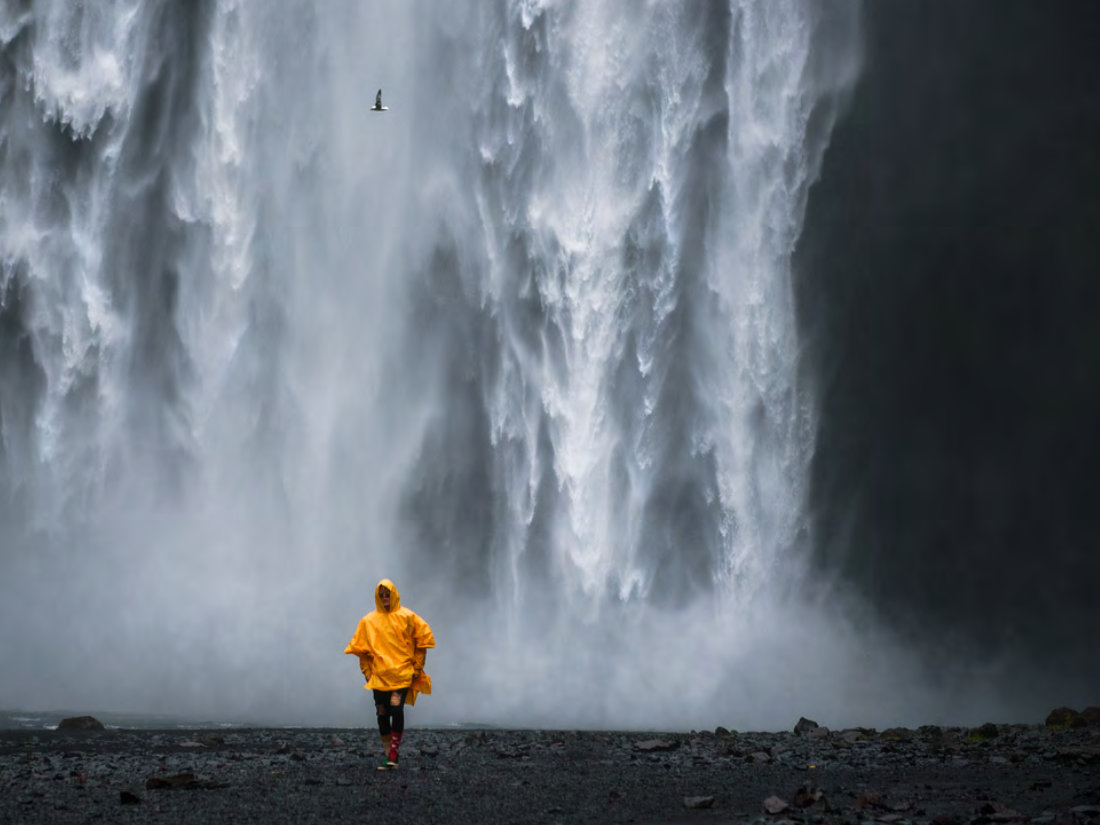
524 343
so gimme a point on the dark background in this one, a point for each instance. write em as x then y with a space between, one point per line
948 284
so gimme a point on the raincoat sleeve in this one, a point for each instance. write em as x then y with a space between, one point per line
358 646
422 639
422 636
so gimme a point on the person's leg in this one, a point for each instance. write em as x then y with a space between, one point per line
382 706
397 723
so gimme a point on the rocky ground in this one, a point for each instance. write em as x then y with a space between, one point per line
1040 774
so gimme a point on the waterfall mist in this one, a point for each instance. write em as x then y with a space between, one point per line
524 343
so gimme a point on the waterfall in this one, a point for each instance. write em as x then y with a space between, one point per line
526 343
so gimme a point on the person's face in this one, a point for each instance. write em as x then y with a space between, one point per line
384 597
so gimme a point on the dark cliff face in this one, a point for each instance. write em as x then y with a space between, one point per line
949 290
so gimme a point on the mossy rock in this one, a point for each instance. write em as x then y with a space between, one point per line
984 733
1062 718
897 734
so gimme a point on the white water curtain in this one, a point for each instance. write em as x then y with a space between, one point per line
525 343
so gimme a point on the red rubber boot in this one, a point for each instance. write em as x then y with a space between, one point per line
395 746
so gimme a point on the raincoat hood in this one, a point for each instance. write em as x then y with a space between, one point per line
395 597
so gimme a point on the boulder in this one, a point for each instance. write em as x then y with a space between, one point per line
985 732
803 726
80 723
1065 718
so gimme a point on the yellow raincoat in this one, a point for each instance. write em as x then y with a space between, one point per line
391 646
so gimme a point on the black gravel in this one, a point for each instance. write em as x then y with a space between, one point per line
928 776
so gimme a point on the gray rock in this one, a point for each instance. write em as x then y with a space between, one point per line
656 745
803 726
698 802
179 780
80 723
775 805
808 796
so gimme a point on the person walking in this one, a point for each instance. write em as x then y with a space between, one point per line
392 643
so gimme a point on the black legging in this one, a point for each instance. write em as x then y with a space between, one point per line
390 717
